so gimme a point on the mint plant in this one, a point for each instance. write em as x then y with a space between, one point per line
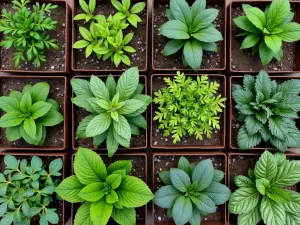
191 189
103 192
29 113
192 29
265 31
27 31
267 111
27 191
188 107
263 195
115 109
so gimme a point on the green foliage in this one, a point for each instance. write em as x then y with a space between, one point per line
88 9
265 31
27 30
192 29
27 191
267 111
188 107
264 194
115 108
191 190
104 192
29 113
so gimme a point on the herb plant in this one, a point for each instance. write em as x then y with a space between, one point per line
115 109
265 31
188 107
264 194
27 191
29 113
104 192
267 111
26 31
191 190
192 29
88 10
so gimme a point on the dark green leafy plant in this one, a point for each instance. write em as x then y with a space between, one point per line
29 113
264 194
27 30
104 192
267 111
265 31
27 191
115 109
188 107
192 29
191 190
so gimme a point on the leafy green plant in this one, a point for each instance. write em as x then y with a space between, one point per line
115 109
188 107
191 190
264 194
267 111
27 191
265 31
192 29
26 31
29 113
104 192
88 10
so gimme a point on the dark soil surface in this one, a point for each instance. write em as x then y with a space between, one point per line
243 60
210 60
162 163
55 58
55 135
138 43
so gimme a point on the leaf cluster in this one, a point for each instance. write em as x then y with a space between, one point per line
188 107
104 192
192 29
191 189
263 194
29 113
27 31
27 191
115 108
267 111
265 31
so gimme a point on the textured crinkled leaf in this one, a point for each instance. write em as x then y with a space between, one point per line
243 200
271 212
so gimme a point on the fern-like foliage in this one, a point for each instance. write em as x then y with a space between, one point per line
267 111
188 107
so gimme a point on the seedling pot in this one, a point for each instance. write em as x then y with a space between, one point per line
157 140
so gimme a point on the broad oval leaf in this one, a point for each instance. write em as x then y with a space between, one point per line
203 174
174 29
250 218
217 192
127 83
101 212
98 125
124 216
166 196
82 216
271 212
92 192
288 174
180 179
266 167
192 52
204 203
182 210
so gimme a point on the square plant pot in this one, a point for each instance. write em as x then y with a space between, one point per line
238 164
166 161
158 141
242 61
57 138
58 61
139 41
139 169
137 142
63 207
234 125
211 61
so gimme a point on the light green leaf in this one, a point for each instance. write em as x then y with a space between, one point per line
51 118
273 42
128 83
244 23
26 102
8 104
250 41
98 125
125 216
13 133
98 88
39 92
11 119
172 47
130 106
288 174
290 32
265 54
120 165
101 212
122 127
39 109
256 16
250 218
82 216
279 10
138 7
266 167
114 180
92 192
30 127
80 44
271 212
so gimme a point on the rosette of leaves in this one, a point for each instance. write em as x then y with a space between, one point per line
265 195
192 29
88 11
265 31
105 192
27 31
29 113
115 109
267 111
27 191
191 190
188 107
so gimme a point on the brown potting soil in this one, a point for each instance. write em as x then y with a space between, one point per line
55 134
55 58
